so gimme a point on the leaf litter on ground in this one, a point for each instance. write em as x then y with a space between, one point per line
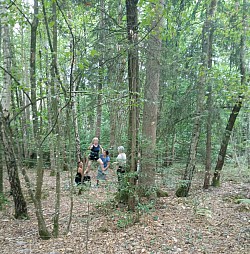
205 222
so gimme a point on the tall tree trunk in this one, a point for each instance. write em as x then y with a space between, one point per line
50 125
209 140
22 96
248 142
151 94
1 174
33 84
12 168
1 145
101 70
112 112
56 117
209 106
6 91
16 100
183 190
133 80
36 129
118 81
76 126
72 166
6 136
42 229
237 106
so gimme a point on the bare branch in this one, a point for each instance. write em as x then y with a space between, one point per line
11 75
13 3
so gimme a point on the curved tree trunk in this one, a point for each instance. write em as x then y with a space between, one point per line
224 143
12 168
6 135
237 106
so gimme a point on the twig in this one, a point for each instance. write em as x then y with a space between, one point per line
52 49
16 81
71 80
13 3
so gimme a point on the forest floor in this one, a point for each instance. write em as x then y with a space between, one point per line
210 221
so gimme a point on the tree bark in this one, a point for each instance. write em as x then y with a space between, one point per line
56 114
112 112
101 70
1 145
6 136
118 81
1 174
248 142
76 127
43 231
133 80
183 190
12 168
151 94
25 116
6 92
33 39
209 104
224 143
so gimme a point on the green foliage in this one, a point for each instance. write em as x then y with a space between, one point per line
3 201
216 182
182 190
145 207
243 201
126 220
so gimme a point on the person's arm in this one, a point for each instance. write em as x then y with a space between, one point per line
118 159
108 164
101 149
90 147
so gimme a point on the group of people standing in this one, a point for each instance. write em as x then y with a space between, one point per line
100 155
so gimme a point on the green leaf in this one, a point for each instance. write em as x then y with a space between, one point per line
93 52
243 201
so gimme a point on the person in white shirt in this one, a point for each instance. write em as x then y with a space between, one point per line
121 163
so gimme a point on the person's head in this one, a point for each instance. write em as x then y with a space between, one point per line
80 163
120 149
105 152
95 140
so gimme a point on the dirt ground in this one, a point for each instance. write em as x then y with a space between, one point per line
210 221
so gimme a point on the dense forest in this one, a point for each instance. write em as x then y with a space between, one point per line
165 80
